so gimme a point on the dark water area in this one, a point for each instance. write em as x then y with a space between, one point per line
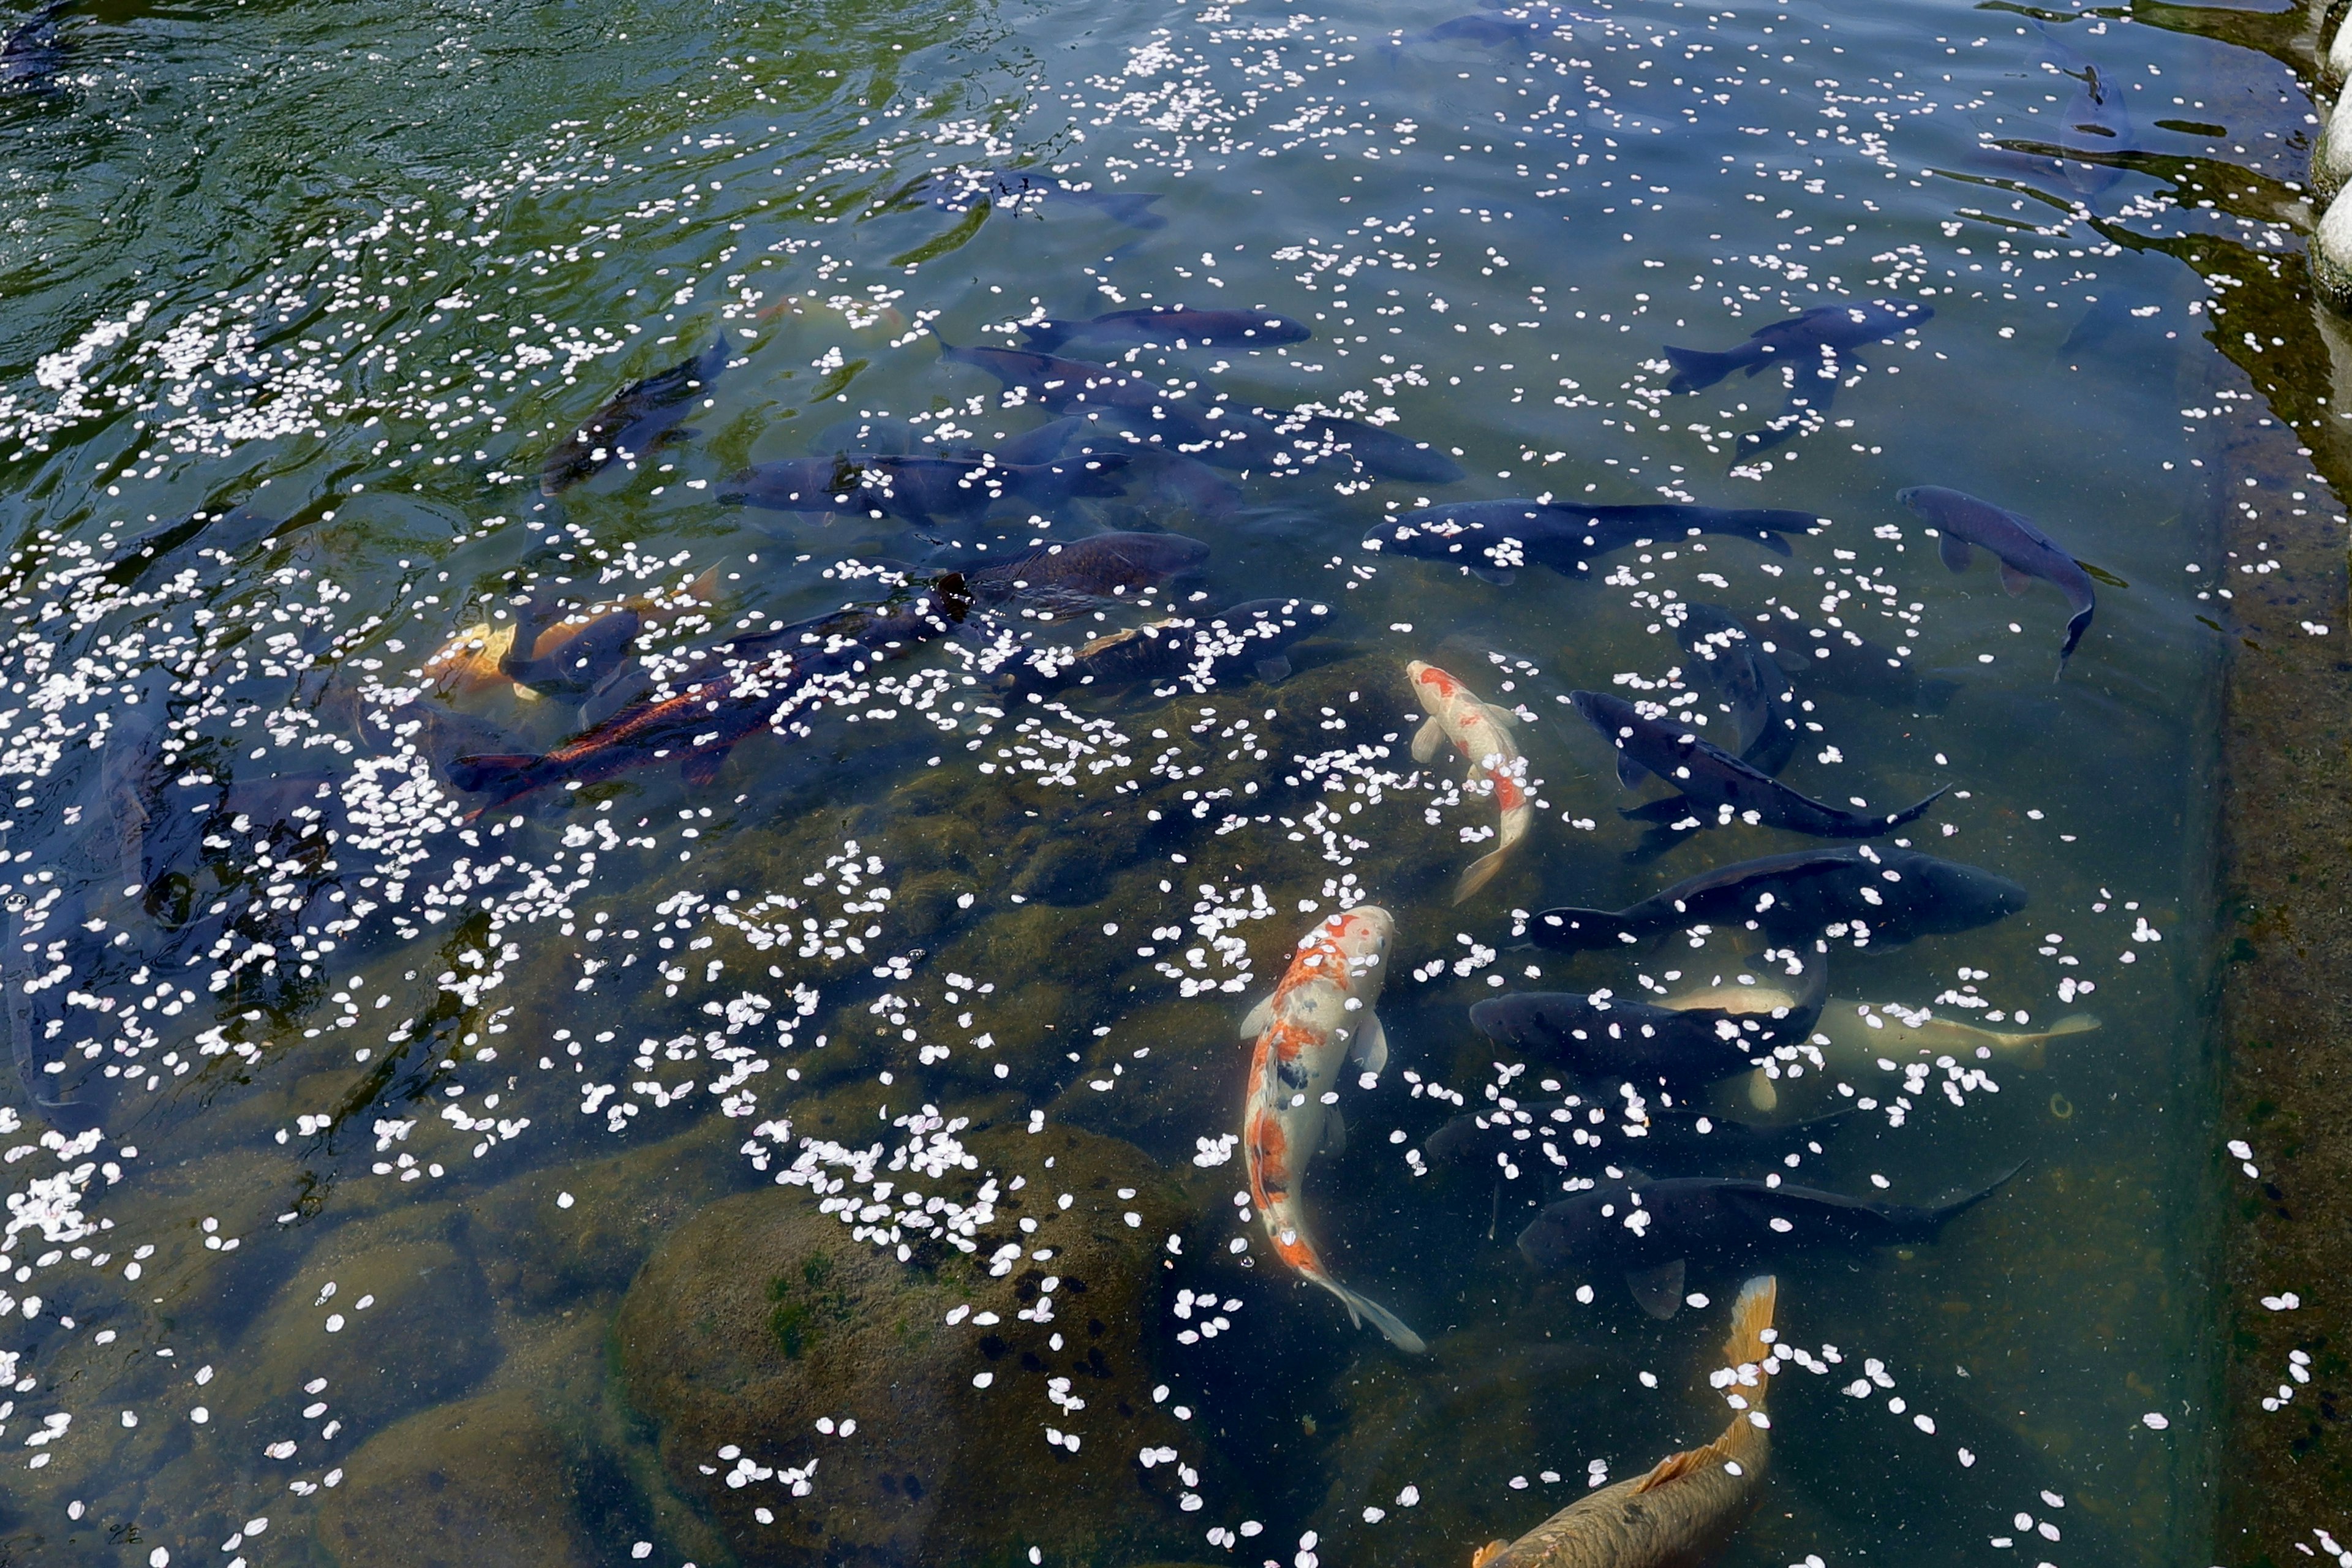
675 680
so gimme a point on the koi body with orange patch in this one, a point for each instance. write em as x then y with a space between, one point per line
1322 1013
1480 733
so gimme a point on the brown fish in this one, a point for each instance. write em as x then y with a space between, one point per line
1686 1510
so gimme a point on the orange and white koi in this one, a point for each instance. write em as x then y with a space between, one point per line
1320 1013
1685 1509
1480 733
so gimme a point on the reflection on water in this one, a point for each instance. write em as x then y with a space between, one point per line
766 768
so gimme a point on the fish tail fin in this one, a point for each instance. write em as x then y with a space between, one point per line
1750 1345
2075 628
1046 336
1578 930
1698 368
1480 872
1362 1308
1914 811
1751 1336
503 773
2073 1024
1938 1217
1133 208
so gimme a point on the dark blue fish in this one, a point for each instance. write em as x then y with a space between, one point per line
1802 339
226 535
961 190
1898 895
1098 566
1173 326
1709 779
2025 552
1732 666
644 415
1543 1134
1681 1051
921 489
1282 439
1493 538
33 52
580 663
1726 1221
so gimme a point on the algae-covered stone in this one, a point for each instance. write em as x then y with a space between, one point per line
762 1316
483 1482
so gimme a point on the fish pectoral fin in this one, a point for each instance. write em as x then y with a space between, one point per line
703 766
1502 577
1657 1291
1488 1553
1761 1092
1955 550
1273 669
1506 718
1629 772
1254 1021
1334 1132
1371 1046
1675 1466
1673 808
2014 581
1428 740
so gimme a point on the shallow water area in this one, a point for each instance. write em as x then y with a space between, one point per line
607 965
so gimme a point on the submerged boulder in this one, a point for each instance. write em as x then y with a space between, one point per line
812 1394
484 1480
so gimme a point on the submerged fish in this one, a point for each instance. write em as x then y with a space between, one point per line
1493 538
1322 1012
1746 684
1652 1230
763 680
1688 1508
1706 776
961 190
1173 326
1894 896
34 51
1857 666
1806 337
2025 552
1853 1034
1579 1128
1282 439
1480 733
569 658
1203 651
1070 385
642 416
1523 25
1098 566
921 490
1682 1050
226 535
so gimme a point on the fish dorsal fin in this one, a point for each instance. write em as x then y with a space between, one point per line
1254 1021
2014 581
1488 1553
1371 1047
1658 1291
1428 740
1674 1466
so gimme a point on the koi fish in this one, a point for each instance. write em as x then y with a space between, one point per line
1480 731
1320 1013
485 654
1688 1508
642 416
1172 325
2025 552
763 680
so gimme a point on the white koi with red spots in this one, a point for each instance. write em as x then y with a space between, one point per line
1480 733
1322 1013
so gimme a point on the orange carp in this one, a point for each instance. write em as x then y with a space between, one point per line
1320 1013
1686 1510
1480 733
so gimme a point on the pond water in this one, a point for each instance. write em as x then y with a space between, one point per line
579 1004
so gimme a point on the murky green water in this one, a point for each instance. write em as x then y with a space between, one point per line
833 1157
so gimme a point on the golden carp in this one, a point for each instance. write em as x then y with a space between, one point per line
481 656
1688 1508
1322 1012
1480 733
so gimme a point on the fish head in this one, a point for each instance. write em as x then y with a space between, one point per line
1934 502
1435 688
1604 713
1361 936
1961 898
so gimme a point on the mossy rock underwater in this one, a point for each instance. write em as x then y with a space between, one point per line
762 1315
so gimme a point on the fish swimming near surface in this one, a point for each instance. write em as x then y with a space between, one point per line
1494 539
33 52
921 490
1322 1013
1682 1050
1706 775
2025 552
224 535
1582 1127
1084 570
642 416
1730 664
1892 896
1284 439
1688 1508
569 657
1805 337
1173 326
1480 733
1526 25
1203 651
1021 190
1651 1230
767 679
